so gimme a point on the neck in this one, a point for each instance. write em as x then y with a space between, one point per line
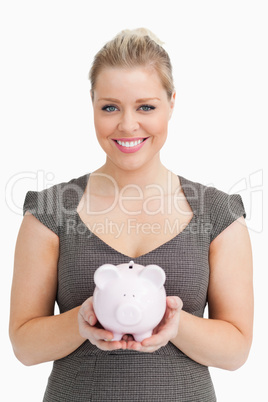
154 173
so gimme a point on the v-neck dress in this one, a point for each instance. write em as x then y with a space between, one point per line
90 374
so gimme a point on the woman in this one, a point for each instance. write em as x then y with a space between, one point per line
132 208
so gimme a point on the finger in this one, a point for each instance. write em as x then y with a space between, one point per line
87 312
174 302
92 333
133 345
101 334
128 338
174 306
164 333
84 327
111 345
84 322
156 340
149 349
92 319
137 346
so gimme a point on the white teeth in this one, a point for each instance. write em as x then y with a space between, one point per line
129 144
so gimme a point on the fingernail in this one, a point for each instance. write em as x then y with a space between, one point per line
90 320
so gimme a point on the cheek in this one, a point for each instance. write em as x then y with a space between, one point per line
103 127
158 125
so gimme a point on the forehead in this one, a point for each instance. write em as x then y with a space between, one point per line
139 81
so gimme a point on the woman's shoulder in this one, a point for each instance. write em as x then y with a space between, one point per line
195 187
217 206
78 183
207 193
50 205
199 195
74 185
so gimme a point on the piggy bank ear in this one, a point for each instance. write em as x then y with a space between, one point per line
104 274
154 274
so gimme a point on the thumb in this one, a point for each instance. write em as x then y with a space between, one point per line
174 302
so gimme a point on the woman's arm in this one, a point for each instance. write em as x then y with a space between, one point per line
225 338
36 334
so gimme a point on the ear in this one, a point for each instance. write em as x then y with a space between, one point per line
104 274
172 103
154 274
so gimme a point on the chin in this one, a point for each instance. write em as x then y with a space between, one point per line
130 165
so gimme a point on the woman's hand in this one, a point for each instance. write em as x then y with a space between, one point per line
90 329
166 330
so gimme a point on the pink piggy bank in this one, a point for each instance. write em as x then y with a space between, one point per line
129 299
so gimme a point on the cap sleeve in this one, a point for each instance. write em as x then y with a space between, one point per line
44 206
225 209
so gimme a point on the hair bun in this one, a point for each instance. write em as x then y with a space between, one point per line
142 32
133 48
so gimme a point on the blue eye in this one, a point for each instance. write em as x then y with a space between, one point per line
109 108
147 108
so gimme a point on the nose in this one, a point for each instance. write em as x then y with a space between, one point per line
128 122
128 314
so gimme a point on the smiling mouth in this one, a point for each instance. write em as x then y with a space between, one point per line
129 144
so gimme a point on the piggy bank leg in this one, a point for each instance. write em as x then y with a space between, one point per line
141 337
117 336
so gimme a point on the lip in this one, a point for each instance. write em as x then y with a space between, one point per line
130 149
129 139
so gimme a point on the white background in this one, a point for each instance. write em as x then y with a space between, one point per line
217 133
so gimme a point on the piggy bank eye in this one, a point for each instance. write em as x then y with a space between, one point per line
133 295
124 294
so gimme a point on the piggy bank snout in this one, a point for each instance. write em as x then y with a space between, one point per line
128 314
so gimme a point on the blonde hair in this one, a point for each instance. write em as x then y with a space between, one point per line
132 48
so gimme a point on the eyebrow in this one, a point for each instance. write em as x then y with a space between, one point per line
142 100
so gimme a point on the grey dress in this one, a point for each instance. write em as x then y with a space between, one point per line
89 374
